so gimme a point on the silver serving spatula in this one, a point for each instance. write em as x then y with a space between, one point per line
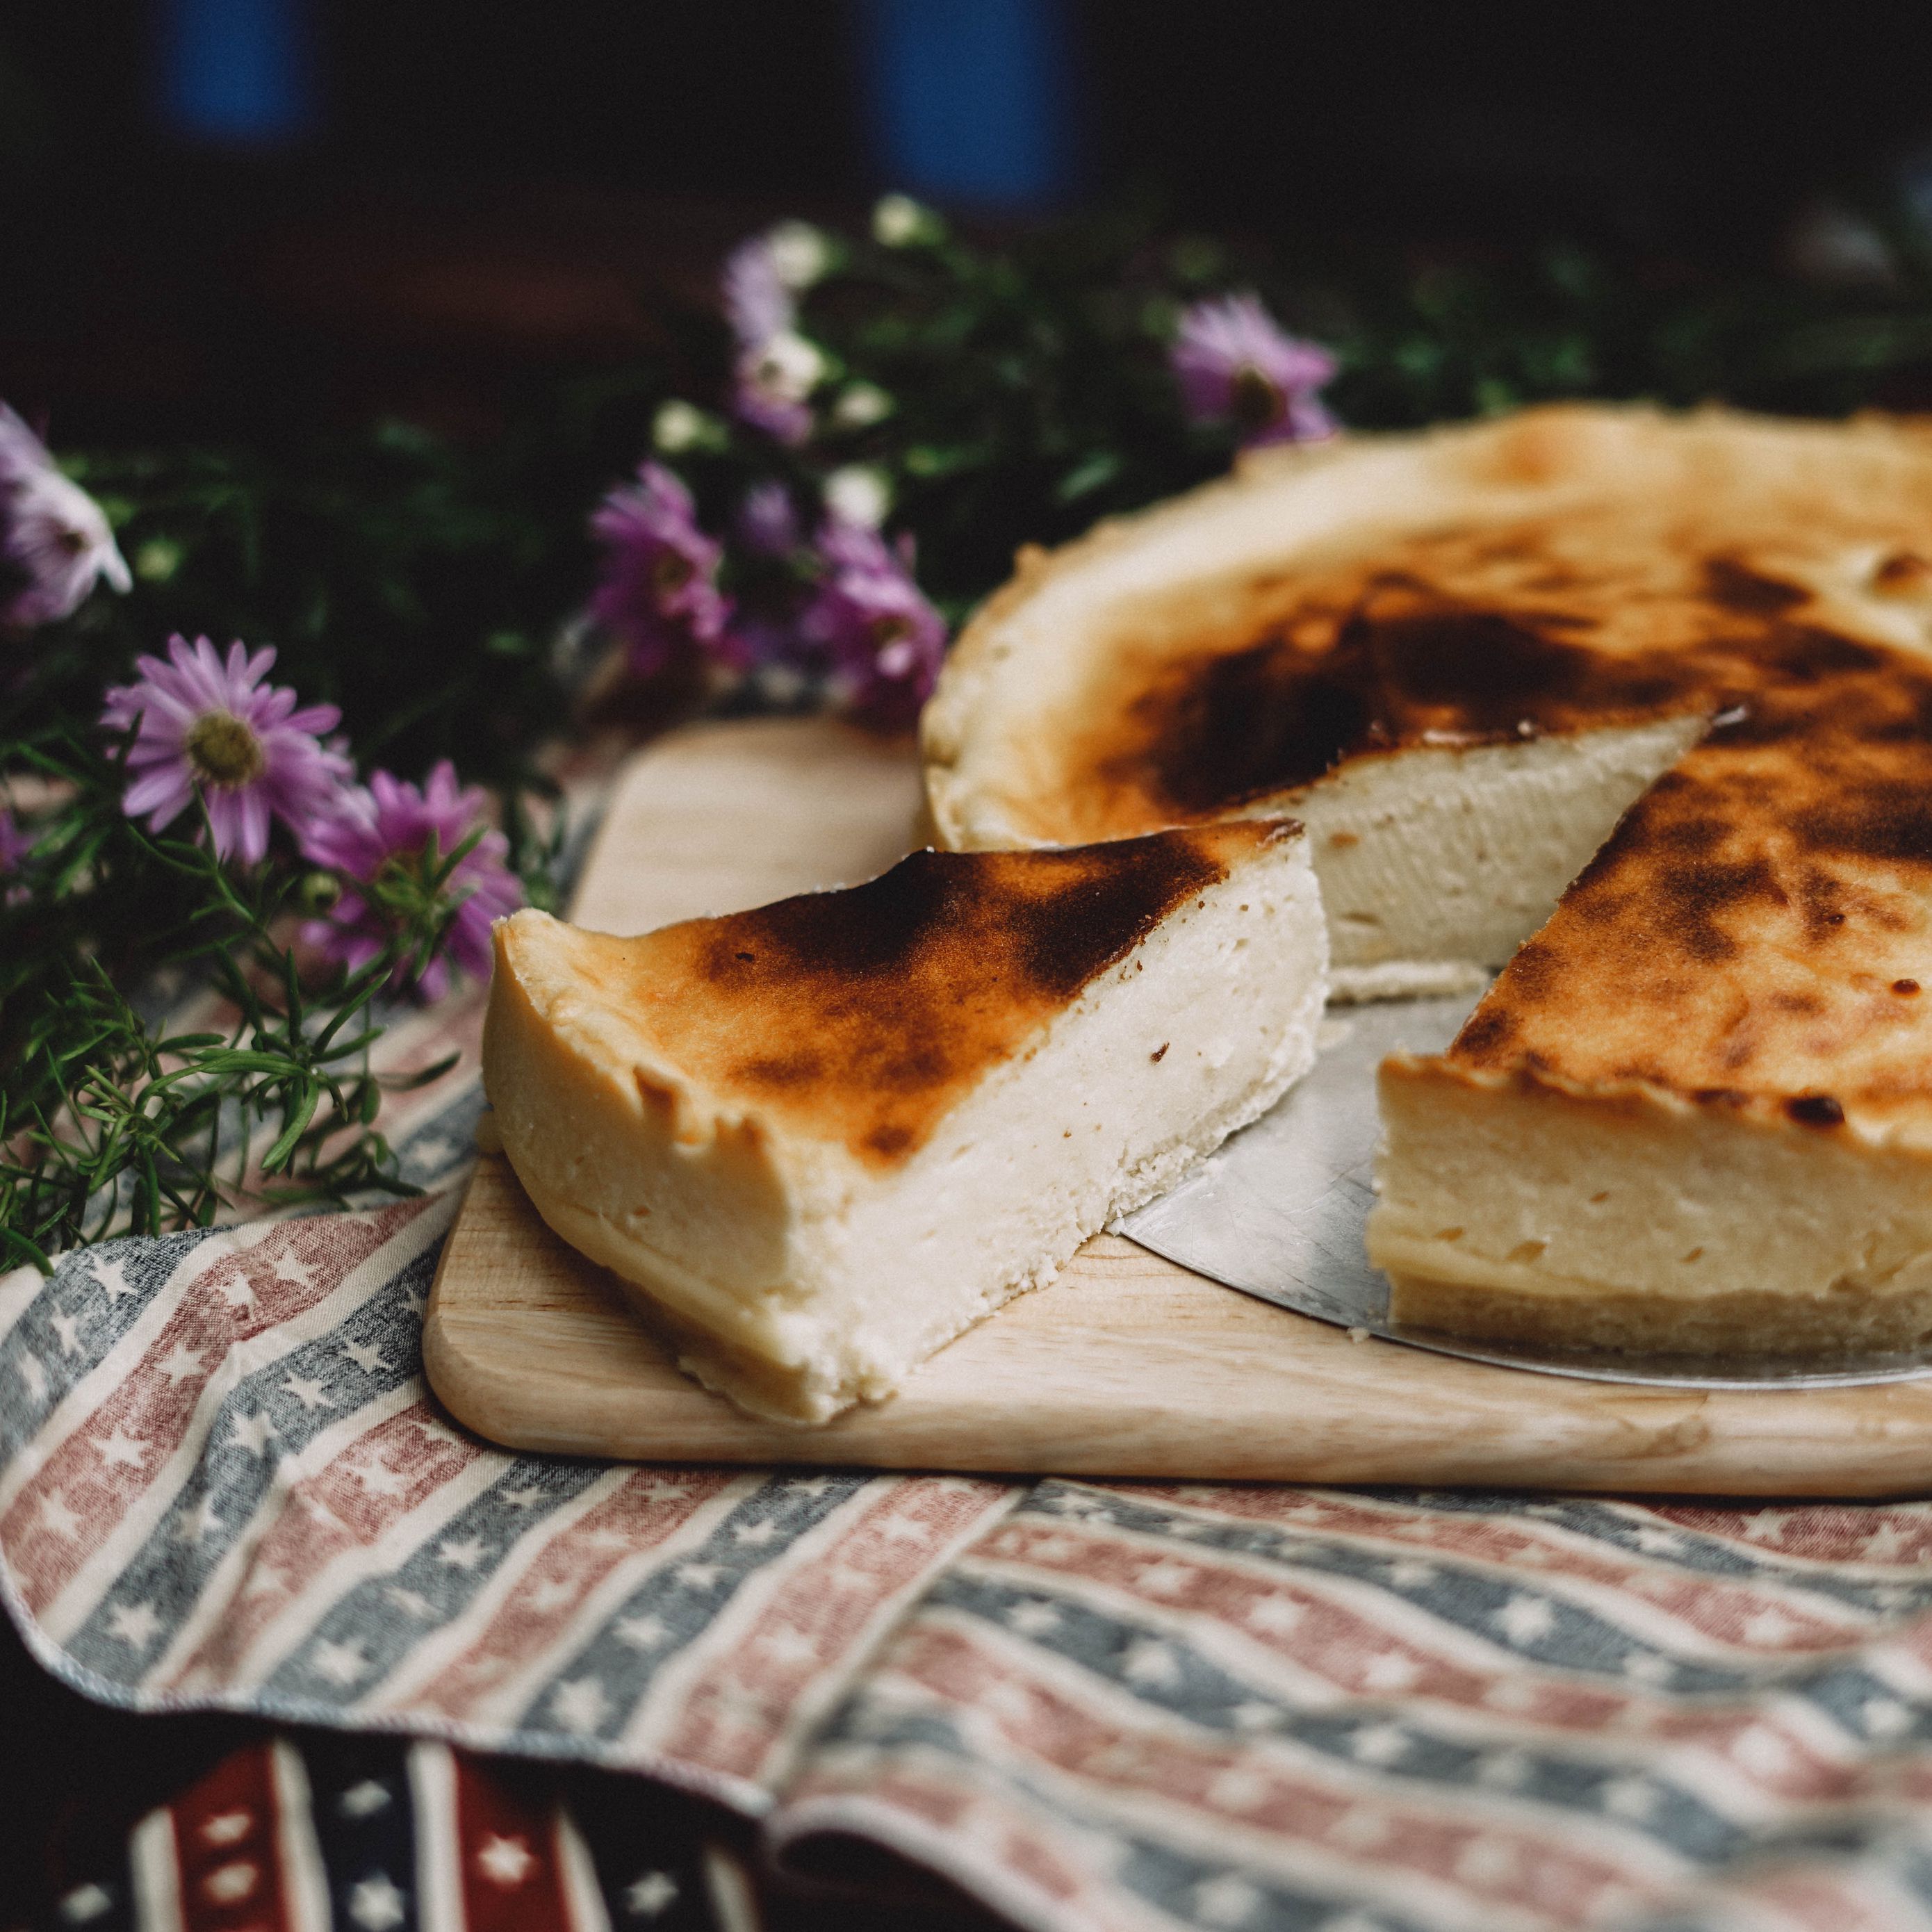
1278 1214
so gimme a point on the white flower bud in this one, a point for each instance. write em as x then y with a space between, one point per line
898 220
679 426
788 366
800 254
858 494
860 405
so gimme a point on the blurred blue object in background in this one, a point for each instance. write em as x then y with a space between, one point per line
971 101
237 72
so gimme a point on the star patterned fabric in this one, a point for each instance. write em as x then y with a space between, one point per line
224 1485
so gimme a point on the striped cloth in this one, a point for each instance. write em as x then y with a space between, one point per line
1093 1707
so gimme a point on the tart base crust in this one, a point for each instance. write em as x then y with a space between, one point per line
1743 1321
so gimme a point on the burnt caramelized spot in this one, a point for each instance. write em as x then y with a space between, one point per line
1253 722
1737 587
1815 1110
1694 895
1821 895
1057 919
873 1005
1886 821
1902 574
1404 667
1533 971
1486 1032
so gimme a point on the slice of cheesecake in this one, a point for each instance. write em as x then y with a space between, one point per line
1694 1114
816 1141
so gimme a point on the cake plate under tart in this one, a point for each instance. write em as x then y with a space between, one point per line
1131 1364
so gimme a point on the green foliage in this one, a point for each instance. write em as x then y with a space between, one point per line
108 1120
1030 394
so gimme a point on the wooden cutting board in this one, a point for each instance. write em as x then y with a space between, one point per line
1128 1366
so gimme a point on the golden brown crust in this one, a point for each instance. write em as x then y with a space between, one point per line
860 1015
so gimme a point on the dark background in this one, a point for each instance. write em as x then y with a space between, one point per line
433 198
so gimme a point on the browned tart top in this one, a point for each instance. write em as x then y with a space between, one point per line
1757 933
861 1015
1460 637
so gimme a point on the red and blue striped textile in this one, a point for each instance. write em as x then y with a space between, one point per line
288 1837
224 1485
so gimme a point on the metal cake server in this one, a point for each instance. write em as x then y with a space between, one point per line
1278 1211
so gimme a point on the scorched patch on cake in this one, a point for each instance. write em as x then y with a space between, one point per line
862 1015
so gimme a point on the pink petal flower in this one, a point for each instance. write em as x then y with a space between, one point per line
212 727
389 826
55 543
166 791
14 844
1233 360
757 305
883 639
659 592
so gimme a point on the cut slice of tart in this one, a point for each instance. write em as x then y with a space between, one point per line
818 1140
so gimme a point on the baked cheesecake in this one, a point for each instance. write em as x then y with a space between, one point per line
1673 672
816 1141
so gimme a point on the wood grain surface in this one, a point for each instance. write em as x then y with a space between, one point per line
1127 1366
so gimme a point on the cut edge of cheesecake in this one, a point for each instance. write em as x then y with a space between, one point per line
792 1267
1621 1216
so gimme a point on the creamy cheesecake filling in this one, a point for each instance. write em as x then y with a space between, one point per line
1436 864
799 1278
1636 1220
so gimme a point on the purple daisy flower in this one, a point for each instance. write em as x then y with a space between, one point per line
659 592
771 381
15 844
767 523
385 831
216 729
1232 360
883 638
53 534
757 303
776 367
